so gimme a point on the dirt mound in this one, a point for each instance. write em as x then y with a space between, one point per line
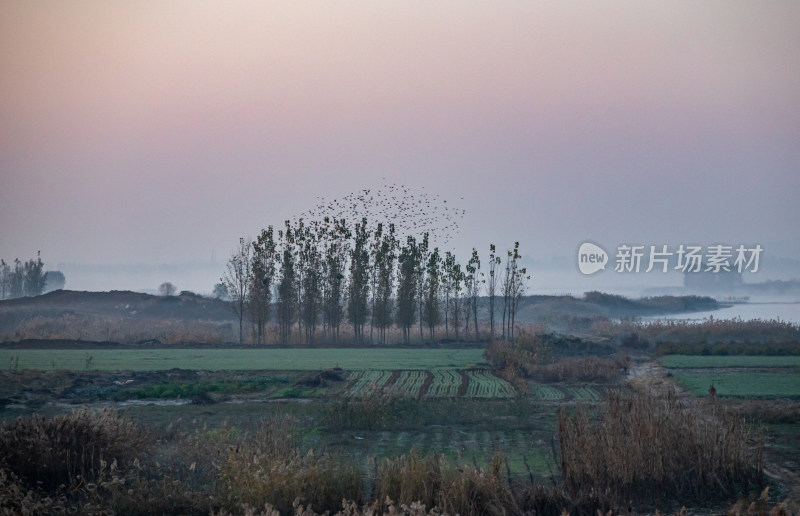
186 306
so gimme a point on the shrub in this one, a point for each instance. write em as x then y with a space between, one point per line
68 449
435 483
588 369
647 445
528 358
268 467
633 341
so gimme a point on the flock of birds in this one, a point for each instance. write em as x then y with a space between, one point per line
412 213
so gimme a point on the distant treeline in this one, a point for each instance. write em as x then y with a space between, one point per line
23 278
709 337
311 278
659 304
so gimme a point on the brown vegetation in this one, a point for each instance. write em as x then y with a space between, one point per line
709 331
268 467
123 330
431 480
531 356
646 445
761 506
586 369
101 462
68 449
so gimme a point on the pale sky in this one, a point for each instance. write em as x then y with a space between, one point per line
160 132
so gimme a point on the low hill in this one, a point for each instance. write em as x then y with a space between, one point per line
117 316
121 303
132 317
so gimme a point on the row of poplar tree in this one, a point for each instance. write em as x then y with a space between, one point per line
22 278
312 278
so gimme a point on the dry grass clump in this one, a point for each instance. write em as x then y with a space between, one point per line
82 462
430 481
529 358
515 361
760 506
646 445
102 463
775 411
268 467
348 508
585 369
66 452
15 498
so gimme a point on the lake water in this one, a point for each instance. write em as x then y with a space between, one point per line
785 311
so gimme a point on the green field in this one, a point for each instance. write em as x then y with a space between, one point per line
408 384
368 383
297 359
703 361
547 393
445 384
742 385
483 384
414 384
584 393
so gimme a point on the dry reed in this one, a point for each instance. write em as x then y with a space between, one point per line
645 445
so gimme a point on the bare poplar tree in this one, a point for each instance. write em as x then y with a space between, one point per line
262 279
337 247
433 272
452 284
424 254
407 282
35 279
506 288
472 285
287 285
5 279
311 265
17 280
491 286
358 285
455 283
237 281
514 286
384 263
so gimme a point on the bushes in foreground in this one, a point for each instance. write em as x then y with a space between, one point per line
68 449
269 468
646 445
431 480
640 447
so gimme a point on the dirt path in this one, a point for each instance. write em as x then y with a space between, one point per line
783 472
652 376
779 469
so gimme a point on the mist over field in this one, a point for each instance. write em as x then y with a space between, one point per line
555 276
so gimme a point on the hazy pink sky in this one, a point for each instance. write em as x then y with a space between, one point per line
159 132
